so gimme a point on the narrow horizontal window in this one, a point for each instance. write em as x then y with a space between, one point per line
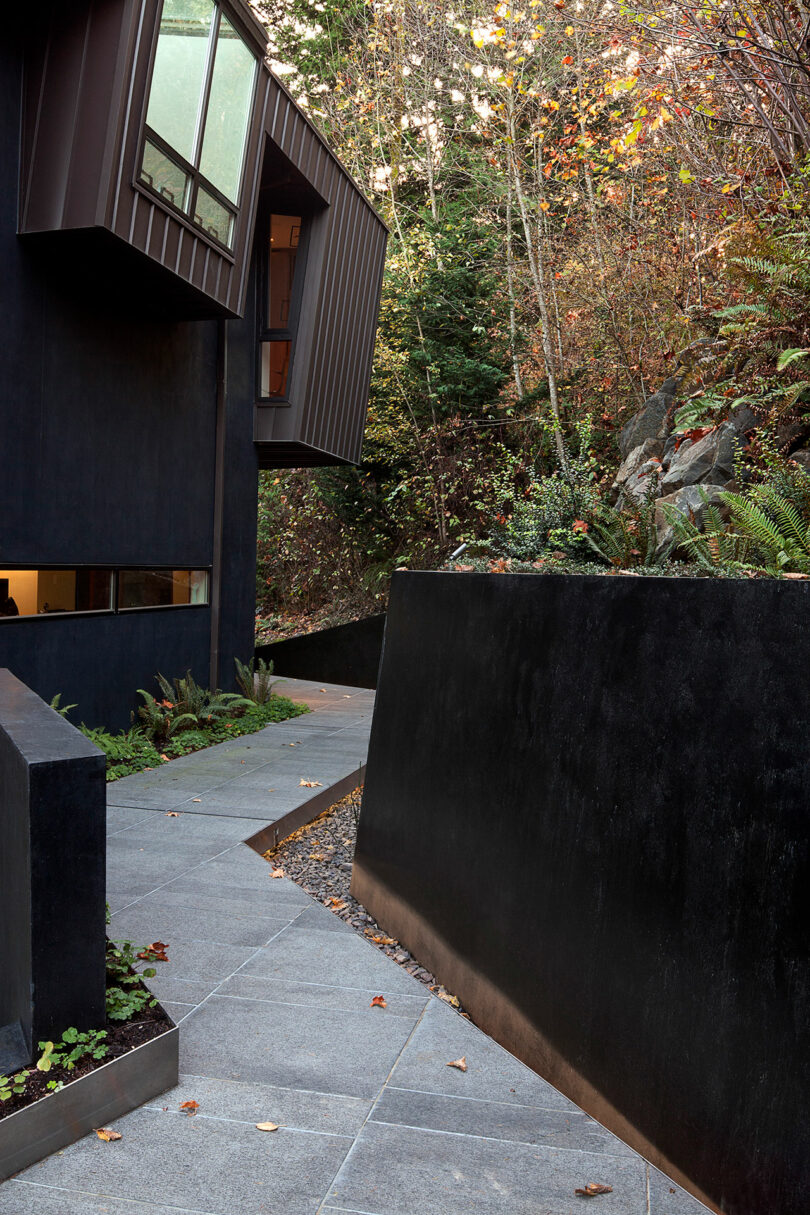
161 588
50 592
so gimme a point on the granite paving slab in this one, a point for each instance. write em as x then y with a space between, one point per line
273 997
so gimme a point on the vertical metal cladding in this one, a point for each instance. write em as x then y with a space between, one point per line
325 421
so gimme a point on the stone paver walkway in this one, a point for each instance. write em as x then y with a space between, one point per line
273 996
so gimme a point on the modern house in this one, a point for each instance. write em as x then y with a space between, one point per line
189 282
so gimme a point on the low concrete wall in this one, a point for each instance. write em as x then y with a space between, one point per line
586 811
52 875
347 654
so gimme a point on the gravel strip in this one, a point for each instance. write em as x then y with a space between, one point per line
319 858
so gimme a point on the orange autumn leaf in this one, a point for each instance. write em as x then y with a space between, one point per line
277 873
378 1002
156 952
190 1106
107 1135
461 1063
592 1189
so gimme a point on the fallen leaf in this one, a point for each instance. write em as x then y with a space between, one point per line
323 689
337 904
592 1189
190 1106
196 799
378 940
378 1002
796 576
266 1126
156 952
309 784
277 873
317 856
107 1136
461 1063
448 999
171 814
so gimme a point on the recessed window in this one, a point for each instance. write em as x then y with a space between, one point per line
198 115
278 304
161 588
51 592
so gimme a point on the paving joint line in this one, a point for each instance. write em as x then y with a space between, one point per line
374 1105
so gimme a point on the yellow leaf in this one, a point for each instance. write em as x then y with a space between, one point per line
544 206
266 1126
569 29
107 1136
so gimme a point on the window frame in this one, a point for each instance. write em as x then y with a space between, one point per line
290 332
197 178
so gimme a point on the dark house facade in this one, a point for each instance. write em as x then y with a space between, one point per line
190 283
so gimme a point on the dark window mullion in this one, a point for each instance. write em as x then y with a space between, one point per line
206 90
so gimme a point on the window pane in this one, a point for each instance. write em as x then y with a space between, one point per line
42 592
177 80
285 231
161 588
275 368
163 175
213 218
229 106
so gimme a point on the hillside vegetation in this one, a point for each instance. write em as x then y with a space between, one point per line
586 202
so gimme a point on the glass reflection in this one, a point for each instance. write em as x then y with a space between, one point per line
179 73
229 105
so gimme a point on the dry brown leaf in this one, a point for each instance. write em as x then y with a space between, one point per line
378 1002
378 940
156 952
191 1107
309 784
106 1135
592 1189
277 873
171 814
266 1126
317 856
337 904
448 999
461 1063
196 799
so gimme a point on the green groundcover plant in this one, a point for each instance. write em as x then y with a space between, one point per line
189 718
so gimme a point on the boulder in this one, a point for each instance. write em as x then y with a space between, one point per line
791 433
691 501
744 419
653 420
708 461
802 458
636 470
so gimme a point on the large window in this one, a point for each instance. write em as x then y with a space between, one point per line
46 592
280 281
197 119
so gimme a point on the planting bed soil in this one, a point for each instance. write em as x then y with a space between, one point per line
318 857
122 1037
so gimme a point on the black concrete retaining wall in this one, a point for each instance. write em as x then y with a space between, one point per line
52 871
348 654
587 810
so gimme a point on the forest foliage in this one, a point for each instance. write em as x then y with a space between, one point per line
583 200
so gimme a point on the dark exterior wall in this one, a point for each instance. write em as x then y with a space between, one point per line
586 811
107 456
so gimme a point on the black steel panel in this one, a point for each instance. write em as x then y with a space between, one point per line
586 812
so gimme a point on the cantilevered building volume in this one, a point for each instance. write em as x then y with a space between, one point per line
190 285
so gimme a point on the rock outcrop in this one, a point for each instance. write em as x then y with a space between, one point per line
653 420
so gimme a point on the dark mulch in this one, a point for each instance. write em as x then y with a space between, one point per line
122 1037
319 857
